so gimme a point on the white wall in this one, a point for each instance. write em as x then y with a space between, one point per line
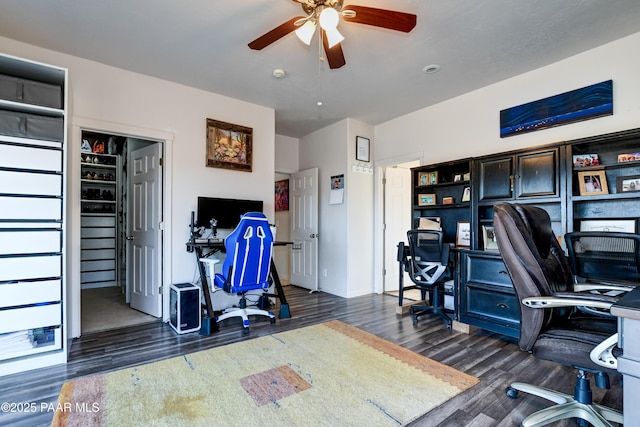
345 245
325 149
360 205
113 95
469 125
286 160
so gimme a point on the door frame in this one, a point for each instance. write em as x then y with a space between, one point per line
378 261
79 124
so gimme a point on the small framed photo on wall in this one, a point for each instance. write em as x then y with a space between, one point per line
363 148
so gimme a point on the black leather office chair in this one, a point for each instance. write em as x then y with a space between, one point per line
551 326
604 257
427 263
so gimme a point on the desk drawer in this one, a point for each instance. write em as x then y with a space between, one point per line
487 269
491 303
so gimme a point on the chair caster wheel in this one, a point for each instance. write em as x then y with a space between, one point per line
415 320
512 393
272 320
245 331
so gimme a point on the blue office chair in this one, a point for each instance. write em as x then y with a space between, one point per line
246 266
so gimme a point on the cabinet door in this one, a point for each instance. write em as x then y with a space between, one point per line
537 174
495 178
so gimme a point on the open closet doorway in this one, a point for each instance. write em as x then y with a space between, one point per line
120 231
282 254
397 206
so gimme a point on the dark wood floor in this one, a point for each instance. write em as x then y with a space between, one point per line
490 357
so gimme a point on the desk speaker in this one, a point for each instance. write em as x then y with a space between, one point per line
184 307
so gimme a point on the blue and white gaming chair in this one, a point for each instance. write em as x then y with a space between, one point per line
247 265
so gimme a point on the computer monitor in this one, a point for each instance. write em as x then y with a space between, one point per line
226 211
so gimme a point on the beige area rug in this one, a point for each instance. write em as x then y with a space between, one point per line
105 308
330 374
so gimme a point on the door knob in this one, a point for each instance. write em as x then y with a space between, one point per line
129 237
314 236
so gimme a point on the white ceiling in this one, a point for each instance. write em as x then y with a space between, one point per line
203 43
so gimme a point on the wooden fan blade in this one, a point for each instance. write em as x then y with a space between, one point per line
390 19
335 57
275 34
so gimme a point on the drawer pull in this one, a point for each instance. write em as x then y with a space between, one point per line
503 272
502 305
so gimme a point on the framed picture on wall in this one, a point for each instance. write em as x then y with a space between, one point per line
229 146
282 195
363 149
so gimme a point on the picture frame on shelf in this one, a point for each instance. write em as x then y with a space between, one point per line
423 178
593 183
628 157
463 234
585 160
457 177
466 176
489 238
363 149
614 225
627 184
426 199
466 194
433 178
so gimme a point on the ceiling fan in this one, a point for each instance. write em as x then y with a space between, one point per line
326 15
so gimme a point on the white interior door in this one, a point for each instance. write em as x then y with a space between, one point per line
144 249
397 220
303 203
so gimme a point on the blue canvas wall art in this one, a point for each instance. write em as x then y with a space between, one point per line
577 105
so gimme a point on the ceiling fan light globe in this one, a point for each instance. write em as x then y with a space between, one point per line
306 31
333 37
329 18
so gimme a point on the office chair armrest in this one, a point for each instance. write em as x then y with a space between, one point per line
561 301
602 354
604 286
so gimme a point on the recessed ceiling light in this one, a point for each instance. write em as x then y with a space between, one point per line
430 69
279 73
319 103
